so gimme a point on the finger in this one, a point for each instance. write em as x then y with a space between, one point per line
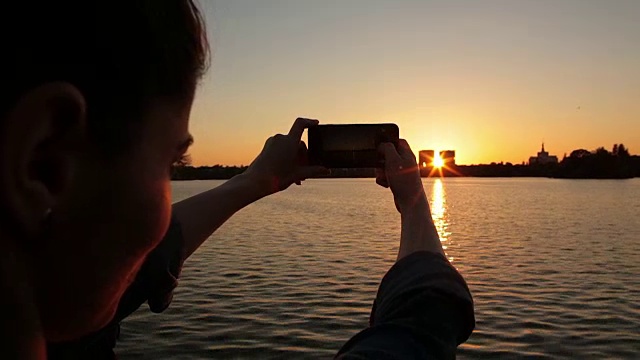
405 150
299 125
302 158
268 141
381 178
389 152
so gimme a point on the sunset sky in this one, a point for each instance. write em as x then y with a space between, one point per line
490 79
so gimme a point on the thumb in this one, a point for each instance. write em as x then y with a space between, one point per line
404 150
390 153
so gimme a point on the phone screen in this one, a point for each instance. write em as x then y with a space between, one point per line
350 146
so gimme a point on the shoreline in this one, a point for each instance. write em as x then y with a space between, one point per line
436 177
587 170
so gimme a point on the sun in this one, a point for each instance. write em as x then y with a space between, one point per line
437 160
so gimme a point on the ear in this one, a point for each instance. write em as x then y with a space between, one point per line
38 149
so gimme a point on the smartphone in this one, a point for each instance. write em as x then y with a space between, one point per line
350 145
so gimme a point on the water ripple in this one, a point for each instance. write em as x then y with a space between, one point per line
554 267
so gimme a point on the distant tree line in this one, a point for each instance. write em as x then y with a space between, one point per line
600 164
220 172
216 172
580 164
502 169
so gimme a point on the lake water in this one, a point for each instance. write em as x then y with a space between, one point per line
553 265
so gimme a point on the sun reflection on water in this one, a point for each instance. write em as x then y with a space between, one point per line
439 213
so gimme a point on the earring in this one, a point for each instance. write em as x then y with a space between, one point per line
44 228
46 221
47 214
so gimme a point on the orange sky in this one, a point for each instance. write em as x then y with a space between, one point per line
490 79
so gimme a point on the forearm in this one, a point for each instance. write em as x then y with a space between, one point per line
203 214
423 309
418 232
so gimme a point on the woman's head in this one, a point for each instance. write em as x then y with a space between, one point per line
94 110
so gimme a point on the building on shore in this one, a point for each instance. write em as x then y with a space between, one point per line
543 158
448 158
442 164
425 158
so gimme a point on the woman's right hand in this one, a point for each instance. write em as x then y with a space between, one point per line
402 175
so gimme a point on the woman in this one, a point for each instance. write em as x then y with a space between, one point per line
95 108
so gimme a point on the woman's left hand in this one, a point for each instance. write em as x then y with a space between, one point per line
283 160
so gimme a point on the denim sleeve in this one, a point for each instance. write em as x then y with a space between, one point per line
423 310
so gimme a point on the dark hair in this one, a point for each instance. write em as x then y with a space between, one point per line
121 54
